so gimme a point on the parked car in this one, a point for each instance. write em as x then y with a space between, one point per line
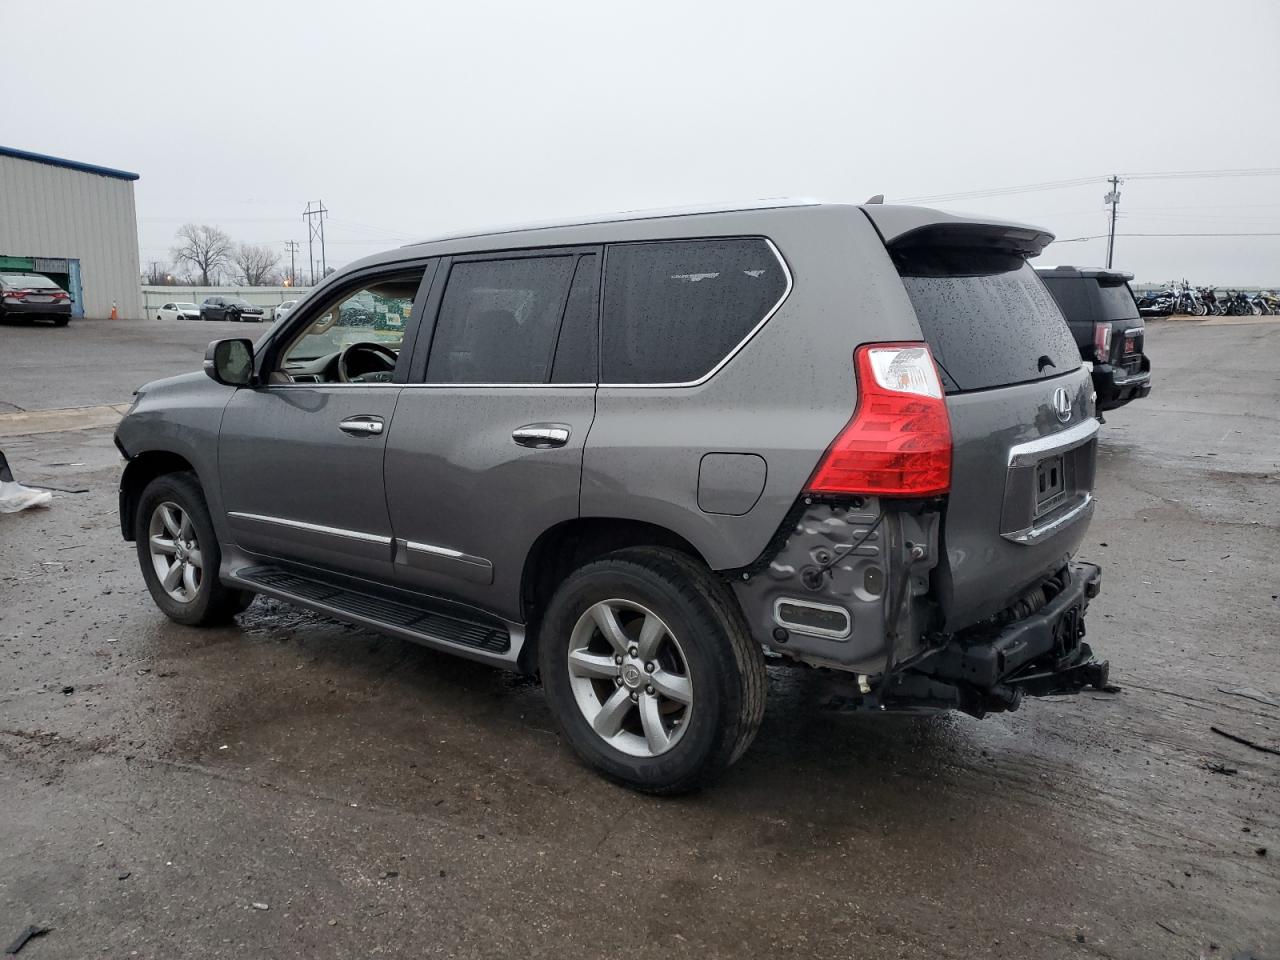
178 311
30 296
640 455
283 309
1104 319
229 308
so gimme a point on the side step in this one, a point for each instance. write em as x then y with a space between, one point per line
482 639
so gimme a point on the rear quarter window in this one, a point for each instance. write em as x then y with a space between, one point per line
675 309
986 316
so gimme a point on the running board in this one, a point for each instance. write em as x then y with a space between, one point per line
490 640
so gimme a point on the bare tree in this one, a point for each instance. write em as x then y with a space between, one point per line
257 264
207 249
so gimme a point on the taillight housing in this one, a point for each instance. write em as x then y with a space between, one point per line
898 443
1102 342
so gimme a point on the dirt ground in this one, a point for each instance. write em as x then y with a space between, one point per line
161 786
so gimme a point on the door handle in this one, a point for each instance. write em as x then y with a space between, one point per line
541 435
361 426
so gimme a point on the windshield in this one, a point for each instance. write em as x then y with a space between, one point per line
988 319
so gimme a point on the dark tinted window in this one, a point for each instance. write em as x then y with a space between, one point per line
1116 302
499 320
674 310
576 350
986 316
1073 296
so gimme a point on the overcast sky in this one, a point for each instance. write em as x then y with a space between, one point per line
413 119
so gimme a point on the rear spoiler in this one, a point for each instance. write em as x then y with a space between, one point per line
909 226
1102 275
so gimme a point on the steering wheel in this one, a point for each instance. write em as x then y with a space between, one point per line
382 359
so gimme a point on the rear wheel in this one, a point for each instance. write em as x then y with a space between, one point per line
650 671
179 553
61 321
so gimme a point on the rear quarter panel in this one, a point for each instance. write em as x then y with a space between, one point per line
783 397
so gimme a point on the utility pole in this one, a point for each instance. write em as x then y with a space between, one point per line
292 246
1113 200
314 215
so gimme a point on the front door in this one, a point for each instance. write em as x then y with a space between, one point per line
485 452
301 457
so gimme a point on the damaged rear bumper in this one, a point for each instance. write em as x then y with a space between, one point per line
1040 654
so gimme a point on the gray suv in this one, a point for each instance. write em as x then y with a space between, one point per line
644 457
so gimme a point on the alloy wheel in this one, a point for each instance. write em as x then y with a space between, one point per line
175 552
630 678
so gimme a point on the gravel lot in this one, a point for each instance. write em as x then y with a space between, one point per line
160 785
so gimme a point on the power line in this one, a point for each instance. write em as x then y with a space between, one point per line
1084 181
1101 236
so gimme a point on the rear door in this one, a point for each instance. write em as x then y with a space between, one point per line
485 453
1021 408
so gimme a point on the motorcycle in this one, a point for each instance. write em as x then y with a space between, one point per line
1209 297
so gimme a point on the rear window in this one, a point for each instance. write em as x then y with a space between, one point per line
1116 302
988 319
28 281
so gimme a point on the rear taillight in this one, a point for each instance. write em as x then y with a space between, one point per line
1102 342
60 295
15 294
898 443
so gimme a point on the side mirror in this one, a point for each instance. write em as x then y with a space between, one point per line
230 362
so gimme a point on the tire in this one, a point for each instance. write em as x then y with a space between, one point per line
208 601
61 321
700 631
1199 310
158 317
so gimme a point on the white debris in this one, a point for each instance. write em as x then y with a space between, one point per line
14 497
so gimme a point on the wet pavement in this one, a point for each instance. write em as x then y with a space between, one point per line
157 782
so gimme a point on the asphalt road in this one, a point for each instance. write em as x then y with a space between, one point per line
100 361
379 799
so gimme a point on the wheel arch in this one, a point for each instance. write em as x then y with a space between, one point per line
138 472
570 544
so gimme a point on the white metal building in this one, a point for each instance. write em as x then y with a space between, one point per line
76 224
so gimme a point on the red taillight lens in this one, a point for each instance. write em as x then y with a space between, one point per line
15 294
898 443
1102 342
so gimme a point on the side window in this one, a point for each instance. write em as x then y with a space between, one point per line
499 320
578 347
375 313
675 309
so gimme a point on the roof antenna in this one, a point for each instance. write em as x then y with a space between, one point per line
878 198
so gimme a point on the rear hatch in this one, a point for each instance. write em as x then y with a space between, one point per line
1021 410
1115 305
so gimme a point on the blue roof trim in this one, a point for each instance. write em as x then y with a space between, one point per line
68 164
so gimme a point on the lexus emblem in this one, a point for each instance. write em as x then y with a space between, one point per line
1062 404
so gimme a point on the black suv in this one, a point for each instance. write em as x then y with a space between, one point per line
1105 322
229 308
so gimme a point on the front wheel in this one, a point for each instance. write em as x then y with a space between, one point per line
179 553
650 671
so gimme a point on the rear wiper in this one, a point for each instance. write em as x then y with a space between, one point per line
1043 362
